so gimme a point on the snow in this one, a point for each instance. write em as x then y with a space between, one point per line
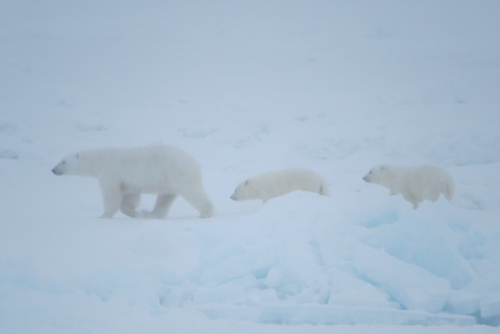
248 87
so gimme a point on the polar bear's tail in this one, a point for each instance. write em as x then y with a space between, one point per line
450 190
323 190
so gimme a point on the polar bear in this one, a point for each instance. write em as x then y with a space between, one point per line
416 184
126 173
273 184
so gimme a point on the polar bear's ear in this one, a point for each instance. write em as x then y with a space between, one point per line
382 167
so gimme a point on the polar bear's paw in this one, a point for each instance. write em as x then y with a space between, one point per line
149 215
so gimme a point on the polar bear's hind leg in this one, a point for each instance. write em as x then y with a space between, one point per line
161 208
201 202
129 204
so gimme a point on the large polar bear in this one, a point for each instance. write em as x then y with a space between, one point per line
416 184
126 173
273 184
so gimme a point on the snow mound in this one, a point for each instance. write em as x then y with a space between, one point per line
281 264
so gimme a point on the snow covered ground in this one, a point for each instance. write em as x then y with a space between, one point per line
247 87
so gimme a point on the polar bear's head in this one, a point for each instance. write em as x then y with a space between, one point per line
375 175
70 165
245 191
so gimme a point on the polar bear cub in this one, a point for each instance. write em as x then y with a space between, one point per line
416 184
273 184
126 173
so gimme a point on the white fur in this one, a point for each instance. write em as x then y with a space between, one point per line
126 173
416 184
273 184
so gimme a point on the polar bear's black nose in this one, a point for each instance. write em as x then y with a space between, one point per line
56 171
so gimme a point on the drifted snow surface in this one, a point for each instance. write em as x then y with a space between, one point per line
247 87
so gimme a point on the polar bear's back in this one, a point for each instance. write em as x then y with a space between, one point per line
301 178
278 183
164 156
151 166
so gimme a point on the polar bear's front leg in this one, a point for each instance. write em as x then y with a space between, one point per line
111 196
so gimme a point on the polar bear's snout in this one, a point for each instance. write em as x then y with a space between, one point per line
60 168
234 197
367 177
56 171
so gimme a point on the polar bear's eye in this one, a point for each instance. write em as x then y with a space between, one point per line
246 182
